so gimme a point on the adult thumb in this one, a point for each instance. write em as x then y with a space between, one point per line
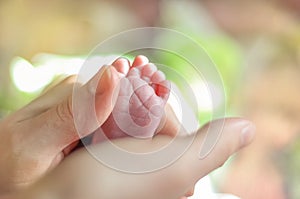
179 177
78 114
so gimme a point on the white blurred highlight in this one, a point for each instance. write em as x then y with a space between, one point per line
30 78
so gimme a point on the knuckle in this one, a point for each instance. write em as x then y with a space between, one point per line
229 150
64 111
221 163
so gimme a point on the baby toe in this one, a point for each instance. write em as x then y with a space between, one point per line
140 60
134 72
162 89
158 77
147 72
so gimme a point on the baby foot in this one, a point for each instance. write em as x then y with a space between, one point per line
140 104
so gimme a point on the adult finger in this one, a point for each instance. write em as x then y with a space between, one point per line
82 174
191 166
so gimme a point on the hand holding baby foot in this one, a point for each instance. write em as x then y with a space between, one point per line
38 136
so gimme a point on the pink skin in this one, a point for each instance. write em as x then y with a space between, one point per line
140 103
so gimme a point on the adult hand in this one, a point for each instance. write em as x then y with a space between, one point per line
82 176
38 136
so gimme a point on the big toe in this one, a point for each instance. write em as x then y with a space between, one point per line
140 60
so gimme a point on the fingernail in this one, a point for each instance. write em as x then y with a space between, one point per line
106 77
247 133
106 73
